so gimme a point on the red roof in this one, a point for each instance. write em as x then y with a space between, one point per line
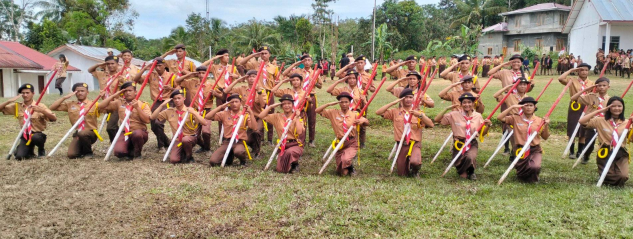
18 56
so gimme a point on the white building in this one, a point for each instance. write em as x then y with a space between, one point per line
599 24
20 64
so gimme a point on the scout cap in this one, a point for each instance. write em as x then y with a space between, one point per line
127 84
263 48
26 86
410 58
251 72
201 68
296 75
176 92
360 58
585 65
415 73
405 92
516 56
159 60
524 80
603 79
222 52
467 96
112 58
463 58
180 46
234 96
466 79
286 97
528 100
352 72
79 85
344 94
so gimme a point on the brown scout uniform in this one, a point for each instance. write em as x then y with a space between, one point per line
238 148
410 157
255 134
618 174
183 151
466 163
38 125
574 115
268 81
345 155
397 90
157 126
399 74
457 76
311 107
529 167
113 118
138 130
175 66
294 142
129 72
82 139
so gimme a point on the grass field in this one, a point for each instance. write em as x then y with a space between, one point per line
89 198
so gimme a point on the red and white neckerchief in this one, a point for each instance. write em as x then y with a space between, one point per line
296 98
359 82
515 76
201 97
468 133
583 83
407 121
127 123
180 113
283 140
351 92
600 99
235 118
160 88
26 119
529 132
306 81
227 78
181 66
127 72
345 126
108 86
519 99
614 134
265 74
82 109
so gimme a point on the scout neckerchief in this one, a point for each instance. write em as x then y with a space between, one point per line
519 98
600 100
351 92
127 71
201 97
283 140
227 79
180 113
583 83
181 65
27 133
614 133
82 125
306 82
235 118
265 74
295 97
161 84
127 123
468 133
344 116
529 132
109 85
406 117
359 82
515 76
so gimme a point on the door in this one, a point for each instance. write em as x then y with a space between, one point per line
40 83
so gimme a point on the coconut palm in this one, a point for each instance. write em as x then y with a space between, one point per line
255 34
474 12
54 10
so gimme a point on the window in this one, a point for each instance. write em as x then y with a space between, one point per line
489 50
562 17
560 43
540 19
517 21
538 44
517 45
613 44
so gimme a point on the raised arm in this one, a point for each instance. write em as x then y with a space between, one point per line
179 80
212 113
321 108
386 107
267 110
502 117
244 60
500 92
197 115
333 86
11 100
563 78
94 68
439 117
585 119
341 73
289 69
394 84
170 52
106 101
444 93
59 101
159 109
396 66
234 83
498 68
444 73
576 96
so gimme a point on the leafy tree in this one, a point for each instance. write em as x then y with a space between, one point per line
13 17
55 10
382 45
45 36
474 13
255 34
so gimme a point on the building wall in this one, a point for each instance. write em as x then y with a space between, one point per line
82 63
585 36
9 83
494 40
529 22
13 80
624 31
549 41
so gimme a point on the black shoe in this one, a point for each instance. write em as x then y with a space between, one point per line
41 152
506 152
362 146
190 160
472 176
352 171
294 168
202 150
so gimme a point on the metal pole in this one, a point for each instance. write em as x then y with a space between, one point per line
373 35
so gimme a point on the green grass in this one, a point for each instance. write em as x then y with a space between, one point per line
90 198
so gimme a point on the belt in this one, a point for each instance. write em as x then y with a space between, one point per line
349 137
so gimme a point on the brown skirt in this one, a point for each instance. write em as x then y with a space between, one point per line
572 119
529 168
618 173
466 162
291 155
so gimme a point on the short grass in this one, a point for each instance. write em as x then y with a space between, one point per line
89 198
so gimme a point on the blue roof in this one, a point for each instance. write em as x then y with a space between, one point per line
614 10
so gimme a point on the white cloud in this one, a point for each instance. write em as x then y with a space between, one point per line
158 17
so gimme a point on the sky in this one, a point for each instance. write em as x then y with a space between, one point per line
158 17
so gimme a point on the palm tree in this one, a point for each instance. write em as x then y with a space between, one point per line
383 46
178 36
54 10
255 34
474 12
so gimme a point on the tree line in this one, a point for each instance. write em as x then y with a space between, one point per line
403 27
